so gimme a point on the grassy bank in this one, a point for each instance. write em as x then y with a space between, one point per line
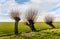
8 28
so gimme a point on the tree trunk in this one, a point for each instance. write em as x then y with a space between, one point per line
52 25
32 27
16 28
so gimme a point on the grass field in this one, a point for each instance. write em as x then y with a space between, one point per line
8 28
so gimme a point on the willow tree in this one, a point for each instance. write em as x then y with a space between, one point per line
15 15
49 20
31 17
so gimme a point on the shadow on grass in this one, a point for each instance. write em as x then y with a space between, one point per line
28 32
6 35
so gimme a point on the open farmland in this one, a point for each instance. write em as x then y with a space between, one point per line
8 28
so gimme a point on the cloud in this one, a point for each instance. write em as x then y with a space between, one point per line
43 6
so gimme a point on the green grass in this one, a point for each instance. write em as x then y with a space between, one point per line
8 28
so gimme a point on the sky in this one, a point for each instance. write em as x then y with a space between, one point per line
44 7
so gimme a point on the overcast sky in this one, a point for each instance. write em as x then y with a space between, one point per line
44 7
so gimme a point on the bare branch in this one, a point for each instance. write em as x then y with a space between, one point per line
15 15
31 14
49 19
